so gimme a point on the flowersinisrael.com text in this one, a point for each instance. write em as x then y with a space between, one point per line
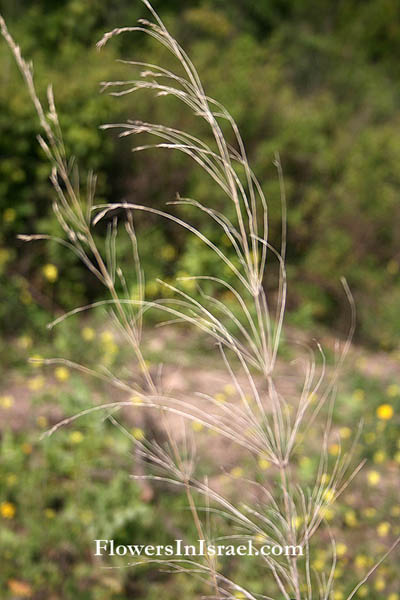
201 548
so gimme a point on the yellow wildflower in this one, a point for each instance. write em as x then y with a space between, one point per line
338 595
263 463
76 437
380 584
384 412
88 334
324 478
350 518
334 449
327 513
36 383
50 272
393 596
6 401
362 592
237 472
298 522
329 495
61 373
7 510
373 478
136 400
318 564
338 573
361 561
107 337
196 426
229 389
383 529
379 457
220 397
138 433
345 432
111 349
341 549
369 512
49 513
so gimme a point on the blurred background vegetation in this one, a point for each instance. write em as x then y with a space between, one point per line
318 82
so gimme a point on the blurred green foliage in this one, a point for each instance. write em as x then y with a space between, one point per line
58 494
317 83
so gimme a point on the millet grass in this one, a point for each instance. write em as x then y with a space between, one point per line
246 340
